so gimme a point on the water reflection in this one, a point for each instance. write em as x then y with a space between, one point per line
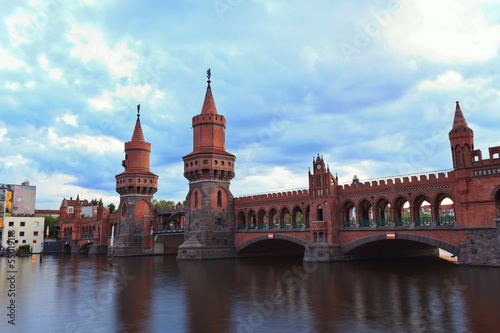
76 293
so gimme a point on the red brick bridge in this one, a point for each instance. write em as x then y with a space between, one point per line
382 217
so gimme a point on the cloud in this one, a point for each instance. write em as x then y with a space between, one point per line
12 85
84 144
90 44
131 92
445 31
30 84
14 161
3 132
68 119
7 60
54 73
270 179
449 80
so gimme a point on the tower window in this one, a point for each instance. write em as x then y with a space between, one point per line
219 198
196 199
216 162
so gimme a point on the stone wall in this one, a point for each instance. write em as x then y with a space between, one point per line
481 247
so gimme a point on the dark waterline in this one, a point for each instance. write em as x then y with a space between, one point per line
78 293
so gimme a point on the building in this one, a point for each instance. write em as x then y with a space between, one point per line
17 209
28 230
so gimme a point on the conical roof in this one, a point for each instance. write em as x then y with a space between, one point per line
459 120
209 103
138 136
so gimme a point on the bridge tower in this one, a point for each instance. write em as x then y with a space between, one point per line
136 186
325 217
209 220
461 140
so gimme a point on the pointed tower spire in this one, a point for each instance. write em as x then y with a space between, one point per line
138 136
209 103
459 120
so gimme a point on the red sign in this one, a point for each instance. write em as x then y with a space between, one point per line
270 236
391 235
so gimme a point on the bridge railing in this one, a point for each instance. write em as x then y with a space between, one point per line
446 220
384 222
400 177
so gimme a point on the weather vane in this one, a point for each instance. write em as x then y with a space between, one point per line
138 110
209 74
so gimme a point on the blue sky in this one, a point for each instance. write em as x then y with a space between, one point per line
370 85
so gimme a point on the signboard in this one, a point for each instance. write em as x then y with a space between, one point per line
270 236
391 235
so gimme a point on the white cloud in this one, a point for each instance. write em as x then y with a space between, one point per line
14 161
444 31
3 132
105 101
12 85
55 74
30 84
68 119
76 81
90 44
89 2
449 80
85 144
20 28
44 62
8 61
158 94
269 179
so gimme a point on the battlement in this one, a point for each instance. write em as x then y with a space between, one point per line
425 179
209 119
138 145
494 158
283 195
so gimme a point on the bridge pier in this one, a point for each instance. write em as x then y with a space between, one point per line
481 247
325 252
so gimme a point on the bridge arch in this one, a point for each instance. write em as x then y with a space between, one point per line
348 212
439 216
272 217
419 215
257 239
261 218
84 248
398 209
382 211
252 219
453 249
365 209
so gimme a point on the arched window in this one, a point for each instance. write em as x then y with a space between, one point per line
219 198
320 213
195 199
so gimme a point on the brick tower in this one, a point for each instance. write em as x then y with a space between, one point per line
461 140
209 220
136 186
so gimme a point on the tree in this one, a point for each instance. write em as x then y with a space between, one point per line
112 208
162 205
50 221
94 202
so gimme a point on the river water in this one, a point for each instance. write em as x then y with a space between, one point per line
79 293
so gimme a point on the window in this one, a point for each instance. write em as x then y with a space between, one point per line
21 233
24 241
35 233
11 224
219 221
70 210
196 199
34 241
23 224
17 241
219 198
36 224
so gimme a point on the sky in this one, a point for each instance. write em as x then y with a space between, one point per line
369 85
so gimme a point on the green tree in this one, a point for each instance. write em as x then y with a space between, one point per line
50 222
162 205
94 202
112 208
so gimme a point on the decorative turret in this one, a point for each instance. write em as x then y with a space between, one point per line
461 140
209 220
209 159
136 186
321 181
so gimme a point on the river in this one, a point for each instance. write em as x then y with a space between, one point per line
80 293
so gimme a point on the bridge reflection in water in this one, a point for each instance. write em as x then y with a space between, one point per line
159 294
